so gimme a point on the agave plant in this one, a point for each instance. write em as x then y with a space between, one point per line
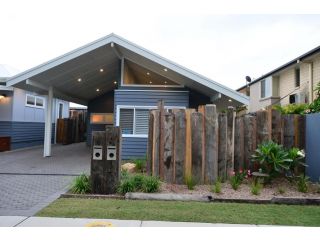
272 158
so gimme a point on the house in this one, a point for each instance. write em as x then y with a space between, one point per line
293 82
22 113
120 82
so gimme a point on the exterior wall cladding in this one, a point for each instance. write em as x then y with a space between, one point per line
134 147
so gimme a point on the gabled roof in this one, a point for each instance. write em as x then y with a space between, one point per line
60 72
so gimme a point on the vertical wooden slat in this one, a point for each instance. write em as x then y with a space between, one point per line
239 144
230 141
263 127
299 131
211 144
202 110
188 164
196 131
168 160
222 145
288 130
155 143
276 126
150 143
161 137
249 139
179 146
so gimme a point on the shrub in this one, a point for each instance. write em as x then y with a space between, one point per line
190 182
256 187
140 164
297 156
303 183
217 186
292 108
81 184
124 174
125 186
236 179
150 184
272 158
138 181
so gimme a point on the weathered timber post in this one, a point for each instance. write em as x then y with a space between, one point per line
179 146
239 144
161 138
188 161
211 141
249 139
168 160
288 130
263 127
222 146
150 144
276 126
105 160
230 141
196 132
202 110
299 131
155 142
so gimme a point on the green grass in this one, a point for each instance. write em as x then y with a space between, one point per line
185 211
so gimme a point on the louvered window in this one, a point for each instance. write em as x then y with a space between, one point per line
141 121
126 120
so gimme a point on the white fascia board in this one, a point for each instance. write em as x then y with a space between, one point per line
182 70
4 88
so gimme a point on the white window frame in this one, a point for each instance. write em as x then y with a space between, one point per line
134 107
35 101
268 80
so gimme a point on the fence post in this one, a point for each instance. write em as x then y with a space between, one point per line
179 146
161 137
249 139
196 131
202 110
150 143
168 160
239 144
188 164
299 131
211 144
155 142
288 130
230 141
222 145
275 119
263 127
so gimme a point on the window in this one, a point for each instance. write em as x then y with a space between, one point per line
60 110
297 77
266 87
34 101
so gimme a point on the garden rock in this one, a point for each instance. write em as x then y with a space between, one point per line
129 167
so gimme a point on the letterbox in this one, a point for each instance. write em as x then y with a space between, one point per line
111 153
97 152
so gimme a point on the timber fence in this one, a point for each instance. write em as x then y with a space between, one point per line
206 144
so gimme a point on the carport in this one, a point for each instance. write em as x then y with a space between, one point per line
97 68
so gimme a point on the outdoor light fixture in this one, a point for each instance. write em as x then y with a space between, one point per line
150 82
165 82
101 69
165 69
230 100
98 90
2 96
79 79
115 82
148 73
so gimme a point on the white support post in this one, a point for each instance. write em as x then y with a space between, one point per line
48 125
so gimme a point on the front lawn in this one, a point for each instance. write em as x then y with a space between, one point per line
184 211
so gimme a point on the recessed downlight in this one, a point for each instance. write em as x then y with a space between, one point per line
98 90
166 70
101 70
165 82
230 100
115 82
79 80
150 82
148 73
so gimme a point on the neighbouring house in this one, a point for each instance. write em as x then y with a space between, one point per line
22 114
120 82
293 82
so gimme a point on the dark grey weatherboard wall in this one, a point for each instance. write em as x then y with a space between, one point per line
312 146
134 147
24 134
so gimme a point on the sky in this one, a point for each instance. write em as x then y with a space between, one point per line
222 47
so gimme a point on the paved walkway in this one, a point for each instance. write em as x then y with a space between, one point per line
29 182
18 221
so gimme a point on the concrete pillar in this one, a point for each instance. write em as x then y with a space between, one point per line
48 125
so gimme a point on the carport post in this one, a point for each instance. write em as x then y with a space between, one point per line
48 125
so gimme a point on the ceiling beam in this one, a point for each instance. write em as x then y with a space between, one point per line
37 85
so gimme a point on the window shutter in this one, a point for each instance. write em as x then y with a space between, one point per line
142 121
126 121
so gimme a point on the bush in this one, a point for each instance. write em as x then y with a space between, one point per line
236 179
81 184
292 108
125 186
272 158
303 183
297 156
190 182
140 164
151 184
138 181
256 187
217 186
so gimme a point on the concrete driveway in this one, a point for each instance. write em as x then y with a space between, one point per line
29 182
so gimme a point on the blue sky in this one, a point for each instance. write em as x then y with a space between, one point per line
224 48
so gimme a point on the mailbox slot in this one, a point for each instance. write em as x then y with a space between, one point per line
97 153
111 153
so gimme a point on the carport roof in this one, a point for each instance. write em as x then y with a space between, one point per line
62 72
